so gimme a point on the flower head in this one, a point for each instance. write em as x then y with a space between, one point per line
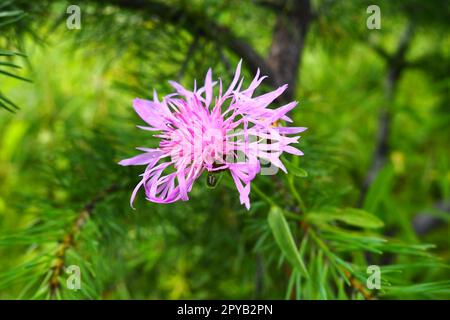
233 131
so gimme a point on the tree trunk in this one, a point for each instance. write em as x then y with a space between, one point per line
287 43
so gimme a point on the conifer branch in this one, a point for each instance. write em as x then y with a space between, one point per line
198 24
68 240
352 280
357 285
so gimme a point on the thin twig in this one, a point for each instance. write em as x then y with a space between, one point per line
357 285
198 23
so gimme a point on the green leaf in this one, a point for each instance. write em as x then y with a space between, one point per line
421 288
12 20
350 216
360 218
379 189
11 53
11 13
296 171
7 101
3 105
284 239
6 53
14 76
9 64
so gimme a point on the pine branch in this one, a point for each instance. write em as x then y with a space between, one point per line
199 24
69 239
352 280
13 16
307 228
357 285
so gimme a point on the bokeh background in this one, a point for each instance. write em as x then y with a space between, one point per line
372 189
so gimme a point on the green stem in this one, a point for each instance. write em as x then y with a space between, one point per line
263 195
297 196
271 202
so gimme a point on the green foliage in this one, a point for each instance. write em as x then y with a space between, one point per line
350 216
9 16
283 237
65 201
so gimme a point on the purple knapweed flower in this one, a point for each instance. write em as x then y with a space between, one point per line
233 131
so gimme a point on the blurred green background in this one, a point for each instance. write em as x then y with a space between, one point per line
59 154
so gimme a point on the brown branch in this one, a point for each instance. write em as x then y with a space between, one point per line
198 24
69 239
380 51
282 64
357 285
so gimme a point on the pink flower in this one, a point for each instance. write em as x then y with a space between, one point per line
234 132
